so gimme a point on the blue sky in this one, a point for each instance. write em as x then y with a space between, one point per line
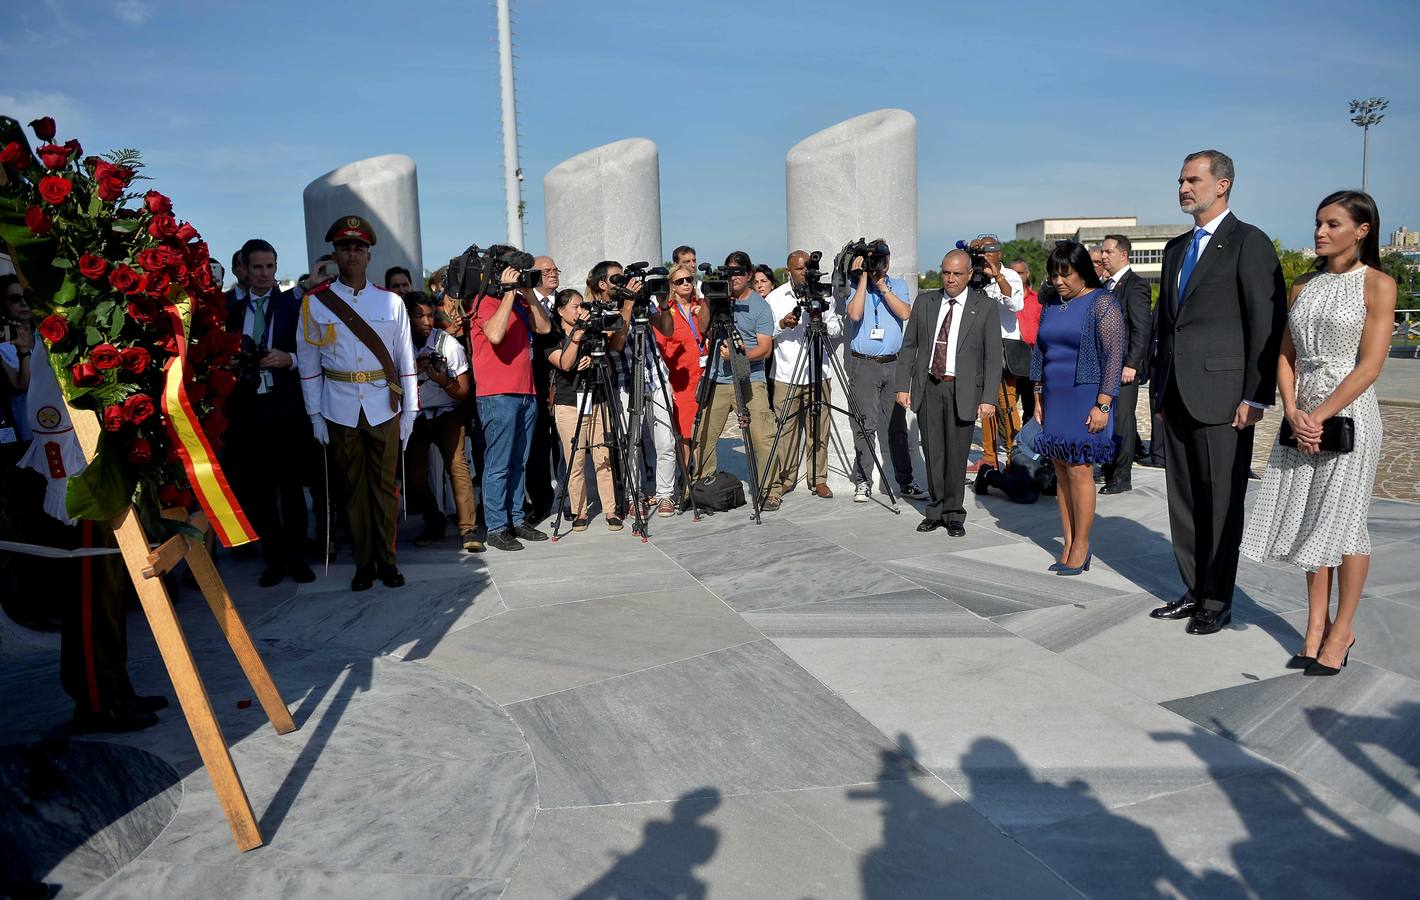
1024 109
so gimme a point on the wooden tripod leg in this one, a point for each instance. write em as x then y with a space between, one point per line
230 621
191 694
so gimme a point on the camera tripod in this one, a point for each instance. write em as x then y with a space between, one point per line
599 379
723 333
646 353
816 336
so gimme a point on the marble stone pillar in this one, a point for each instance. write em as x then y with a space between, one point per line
385 191
858 179
604 203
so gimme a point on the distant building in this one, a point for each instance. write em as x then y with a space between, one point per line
1402 239
1146 251
1047 231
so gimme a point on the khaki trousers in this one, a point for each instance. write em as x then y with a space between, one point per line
368 455
794 442
446 432
761 427
1008 415
592 436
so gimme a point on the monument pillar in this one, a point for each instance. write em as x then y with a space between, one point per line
604 203
385 191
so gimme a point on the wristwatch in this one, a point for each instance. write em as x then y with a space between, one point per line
1102 407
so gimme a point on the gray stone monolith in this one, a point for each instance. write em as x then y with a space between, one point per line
604 203
385 191
858 179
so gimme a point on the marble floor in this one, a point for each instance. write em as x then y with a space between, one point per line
825 705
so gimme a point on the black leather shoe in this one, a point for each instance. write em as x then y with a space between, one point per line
956 529
1116 487
149 704
113 721
1182 608
391 577
1300 662
927 525
364 578
978 486
271 576
301 573
1209 621
529 533
504 540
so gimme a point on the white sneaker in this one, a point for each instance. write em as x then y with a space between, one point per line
861 492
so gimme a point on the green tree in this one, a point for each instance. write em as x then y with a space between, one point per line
1032 252
1295 264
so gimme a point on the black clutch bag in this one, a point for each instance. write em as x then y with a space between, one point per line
1338 434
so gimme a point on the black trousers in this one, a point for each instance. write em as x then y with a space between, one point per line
265 460
946 442
1207 483
93 635
1126 425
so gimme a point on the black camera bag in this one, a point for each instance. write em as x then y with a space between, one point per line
720 493
1017 357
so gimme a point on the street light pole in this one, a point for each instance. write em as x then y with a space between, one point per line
1366 113
512 172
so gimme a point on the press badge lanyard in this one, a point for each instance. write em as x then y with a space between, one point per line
877 333
689 321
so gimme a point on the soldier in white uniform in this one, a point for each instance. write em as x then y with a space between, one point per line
360 389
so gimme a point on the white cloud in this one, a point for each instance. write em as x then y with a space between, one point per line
26 107
133 12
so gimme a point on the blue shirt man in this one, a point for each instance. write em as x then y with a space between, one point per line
753 320
879 318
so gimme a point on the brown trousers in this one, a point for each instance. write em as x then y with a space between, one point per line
794 442
368 455
761 427
592 436
1007 415
446 432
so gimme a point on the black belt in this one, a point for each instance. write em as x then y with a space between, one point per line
891 357
936 380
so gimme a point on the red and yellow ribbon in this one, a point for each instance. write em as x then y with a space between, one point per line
199 459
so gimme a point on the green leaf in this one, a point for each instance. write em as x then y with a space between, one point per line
103 489
103 309
60 262
93 336
116 319
126 226
96 204
66 292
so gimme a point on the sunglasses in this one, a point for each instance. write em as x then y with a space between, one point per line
736 273
686 280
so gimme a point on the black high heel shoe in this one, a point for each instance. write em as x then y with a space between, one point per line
1300 662
1316 667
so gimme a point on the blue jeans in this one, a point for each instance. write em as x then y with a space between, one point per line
507 421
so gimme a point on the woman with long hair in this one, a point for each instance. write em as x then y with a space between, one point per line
1315 496
1076 366
683 352
569 387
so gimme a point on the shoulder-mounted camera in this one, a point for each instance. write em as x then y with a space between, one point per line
477 272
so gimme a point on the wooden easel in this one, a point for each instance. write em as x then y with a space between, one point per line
146 567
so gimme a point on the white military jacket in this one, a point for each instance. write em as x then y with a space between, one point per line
325 344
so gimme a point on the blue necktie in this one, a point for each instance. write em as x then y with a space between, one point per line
1190 261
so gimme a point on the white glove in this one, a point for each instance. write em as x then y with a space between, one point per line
406 428
318 428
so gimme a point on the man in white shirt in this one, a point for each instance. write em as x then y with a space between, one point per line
442 367
1005 288
793 388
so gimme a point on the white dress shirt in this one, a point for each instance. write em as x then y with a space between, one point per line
790 344
956 304
325 343
1116 277
1208 229
1008 306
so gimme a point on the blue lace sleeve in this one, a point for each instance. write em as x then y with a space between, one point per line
1037 363
1113 336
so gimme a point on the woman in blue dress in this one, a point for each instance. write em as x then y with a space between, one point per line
1076 365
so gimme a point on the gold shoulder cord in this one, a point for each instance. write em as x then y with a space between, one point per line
306 322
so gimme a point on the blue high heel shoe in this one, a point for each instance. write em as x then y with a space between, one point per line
1076 570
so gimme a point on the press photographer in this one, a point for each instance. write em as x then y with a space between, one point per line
1004 287
497 284
793 307
442 369
643 293
264 452
879 306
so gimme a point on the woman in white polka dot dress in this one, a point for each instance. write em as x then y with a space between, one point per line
1312 508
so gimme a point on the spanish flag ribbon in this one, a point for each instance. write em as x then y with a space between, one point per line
199 459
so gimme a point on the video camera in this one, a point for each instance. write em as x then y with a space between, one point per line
875 262
247 362
476 272
715 288
813 295
603 317
979 279
655 281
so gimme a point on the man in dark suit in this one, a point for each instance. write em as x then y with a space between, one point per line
1217 332
1132 292
949 371
268 428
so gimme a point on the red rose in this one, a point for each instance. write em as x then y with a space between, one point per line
104 357
114 417
15 156
134 359
170 495
186 233
156 284
197 393
125 280
201 279
54 328
157 204
163 227
171 256
54 189
85 375
43 128
92 267
210 317
110 189
221 382
168 343
139 408
151 259
142 310
38 222
214 423
75 150
52 155
140 453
